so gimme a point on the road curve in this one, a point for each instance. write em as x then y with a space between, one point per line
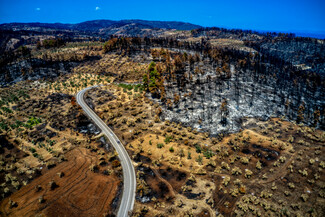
129 181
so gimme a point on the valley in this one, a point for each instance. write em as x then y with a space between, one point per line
216 122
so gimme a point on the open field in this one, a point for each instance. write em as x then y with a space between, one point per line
79 192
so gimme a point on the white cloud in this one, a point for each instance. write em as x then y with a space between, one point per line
38 9
97 8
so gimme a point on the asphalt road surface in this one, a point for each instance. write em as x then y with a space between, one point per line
129 181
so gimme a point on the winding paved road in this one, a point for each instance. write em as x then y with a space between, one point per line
129 187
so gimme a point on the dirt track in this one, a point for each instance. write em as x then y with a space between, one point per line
80 192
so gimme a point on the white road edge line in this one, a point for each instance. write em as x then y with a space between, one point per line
129 182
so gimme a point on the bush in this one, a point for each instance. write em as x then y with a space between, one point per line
160 145
198 148
93 167
51 43
38 188
41 199
258 165
171 149
248 173
244 160
6 110
116 163
208 154
12 204
33 150
199 160
52 185
33 122
189 155
50 164
168 139
236 171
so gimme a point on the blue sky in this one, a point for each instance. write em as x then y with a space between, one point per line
279 15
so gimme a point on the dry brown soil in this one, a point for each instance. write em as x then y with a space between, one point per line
80 192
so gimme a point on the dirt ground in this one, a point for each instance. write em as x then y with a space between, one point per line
269 167
79 192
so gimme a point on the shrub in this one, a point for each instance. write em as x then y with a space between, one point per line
160 145
38 188
236 171
244 160
189 155
33 150
171 149
322 164
225 166
242 189
311 161
265 194
168 139
303 172
33 122
6 190
6 110
211 163
107 172
41 199
208 154
15 184
282 159
234 192
198 148
291 185
226 180
248 173
52 185
12 204
50 164
273 186
116 163
51 43
264 176
181 153
237 182
199 160
304 197
258 165
94 167
286 193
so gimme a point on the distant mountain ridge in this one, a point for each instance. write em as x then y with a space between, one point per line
97 26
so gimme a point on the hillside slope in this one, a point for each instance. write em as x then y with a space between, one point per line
96 26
